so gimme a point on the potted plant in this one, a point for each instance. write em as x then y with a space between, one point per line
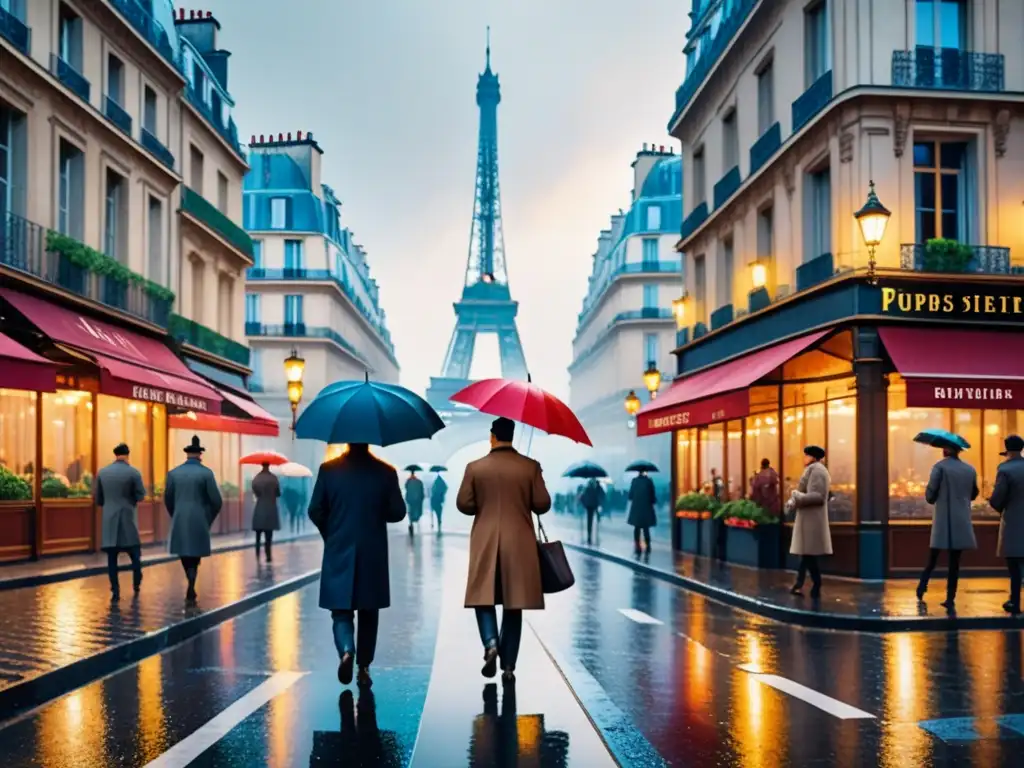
75 261
752 534
693 516
13 487
54 487
941 255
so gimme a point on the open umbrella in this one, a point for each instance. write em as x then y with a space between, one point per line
293 469
413 468
642 466
585 469
438 468
273 458
940 438
367 412
524 402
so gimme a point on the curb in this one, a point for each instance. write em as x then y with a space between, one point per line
39 579
48 686
810 619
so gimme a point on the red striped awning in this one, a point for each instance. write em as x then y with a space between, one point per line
24 369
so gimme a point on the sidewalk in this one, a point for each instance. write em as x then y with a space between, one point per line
845 604
66 567
57 637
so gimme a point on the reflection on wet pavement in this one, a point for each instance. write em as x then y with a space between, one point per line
359 742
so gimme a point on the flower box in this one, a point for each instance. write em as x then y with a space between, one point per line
748 543
694 531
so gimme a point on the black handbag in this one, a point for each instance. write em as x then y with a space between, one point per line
555 573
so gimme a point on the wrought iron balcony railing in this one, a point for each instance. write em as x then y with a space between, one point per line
948 69
956 258
812 101
115 113
187 331
154 33
70 76
31 248
301 330
15 31
202 209
697 217
156 148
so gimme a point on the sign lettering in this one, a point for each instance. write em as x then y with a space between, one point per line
973 393
167 397
957 302
116 340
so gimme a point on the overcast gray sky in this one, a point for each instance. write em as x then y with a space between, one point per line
388 89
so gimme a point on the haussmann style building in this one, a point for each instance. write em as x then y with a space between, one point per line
805 324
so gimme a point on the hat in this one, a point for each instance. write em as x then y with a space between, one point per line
194 447
1014 444
815 452
121 449
503 429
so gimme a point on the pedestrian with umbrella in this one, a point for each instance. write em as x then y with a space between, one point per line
592 496
1008 500
193 501
354 498
952 486
266 490
414 496
642 499
438 490
294 492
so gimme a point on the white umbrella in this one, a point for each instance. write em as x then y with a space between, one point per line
293 469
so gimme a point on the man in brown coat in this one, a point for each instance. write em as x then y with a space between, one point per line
501 491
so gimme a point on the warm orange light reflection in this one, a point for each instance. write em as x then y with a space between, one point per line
529 734
906 701
334 450
67 613
151 707
284 657
73 726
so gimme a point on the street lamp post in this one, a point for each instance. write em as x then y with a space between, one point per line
294 367
872 218
652 379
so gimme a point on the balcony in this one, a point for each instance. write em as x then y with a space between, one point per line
70 77
201 209
727 186
817 270
766 146
187 331
227 131
692 222
722 316
14 31
116 114
74 267
951 257
812 101
646 313
948 69
302 331
149 28
153 145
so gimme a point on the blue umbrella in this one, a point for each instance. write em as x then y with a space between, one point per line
940 438
585 469
642 466
367 412
413 468
438 468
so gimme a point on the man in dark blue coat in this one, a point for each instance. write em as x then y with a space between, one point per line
354 498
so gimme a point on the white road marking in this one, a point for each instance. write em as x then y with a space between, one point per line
825 703
639 616
701 645
192 746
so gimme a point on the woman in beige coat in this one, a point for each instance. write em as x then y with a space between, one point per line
811 535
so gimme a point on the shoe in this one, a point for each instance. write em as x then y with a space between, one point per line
1010 607
137 582
949 604
921 589
490 668
363 678
345 669
797 589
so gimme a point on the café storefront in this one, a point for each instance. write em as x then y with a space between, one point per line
858 369
73 386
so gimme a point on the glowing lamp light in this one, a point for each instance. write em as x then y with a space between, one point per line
872 219
294 393
294 367
632 403
679 309
758 274
652 379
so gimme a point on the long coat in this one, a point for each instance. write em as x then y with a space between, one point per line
641 502
119 489
414 498
193 500
1008 500
501 491
438 490
592 495
952 487
811 535
267 490
354 498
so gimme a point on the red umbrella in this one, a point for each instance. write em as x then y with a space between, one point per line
523 402
273 458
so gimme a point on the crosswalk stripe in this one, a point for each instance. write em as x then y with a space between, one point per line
825 703
192 746
639 616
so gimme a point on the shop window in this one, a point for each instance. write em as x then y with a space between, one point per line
223 450
910 463
17 444
125 421
998 424
841 459
736 480
712 455
801 426
968 424
159 449
67 444
686 461
762 442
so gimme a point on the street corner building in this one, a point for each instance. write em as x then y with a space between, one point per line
853 261
122 265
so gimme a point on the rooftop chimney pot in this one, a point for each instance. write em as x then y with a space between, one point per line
309 136
289 135
191 14
253 139
298 135
280 137
645 146
209 14
261 138
661 148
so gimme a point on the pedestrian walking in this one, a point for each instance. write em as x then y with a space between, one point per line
502 491
642 498
414 497
265 517
592 498
193 501
811 535
952 487
1008 500
118 490
764 489
354 498
438 491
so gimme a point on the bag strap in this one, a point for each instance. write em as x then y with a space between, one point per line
542 535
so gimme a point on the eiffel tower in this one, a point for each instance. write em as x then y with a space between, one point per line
486 305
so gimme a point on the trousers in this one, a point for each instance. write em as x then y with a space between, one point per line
636 535
952 577
134 554
808 563
591 514
268 539
507 638
355 637
1014 566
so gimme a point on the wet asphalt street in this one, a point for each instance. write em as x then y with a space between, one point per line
623 668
